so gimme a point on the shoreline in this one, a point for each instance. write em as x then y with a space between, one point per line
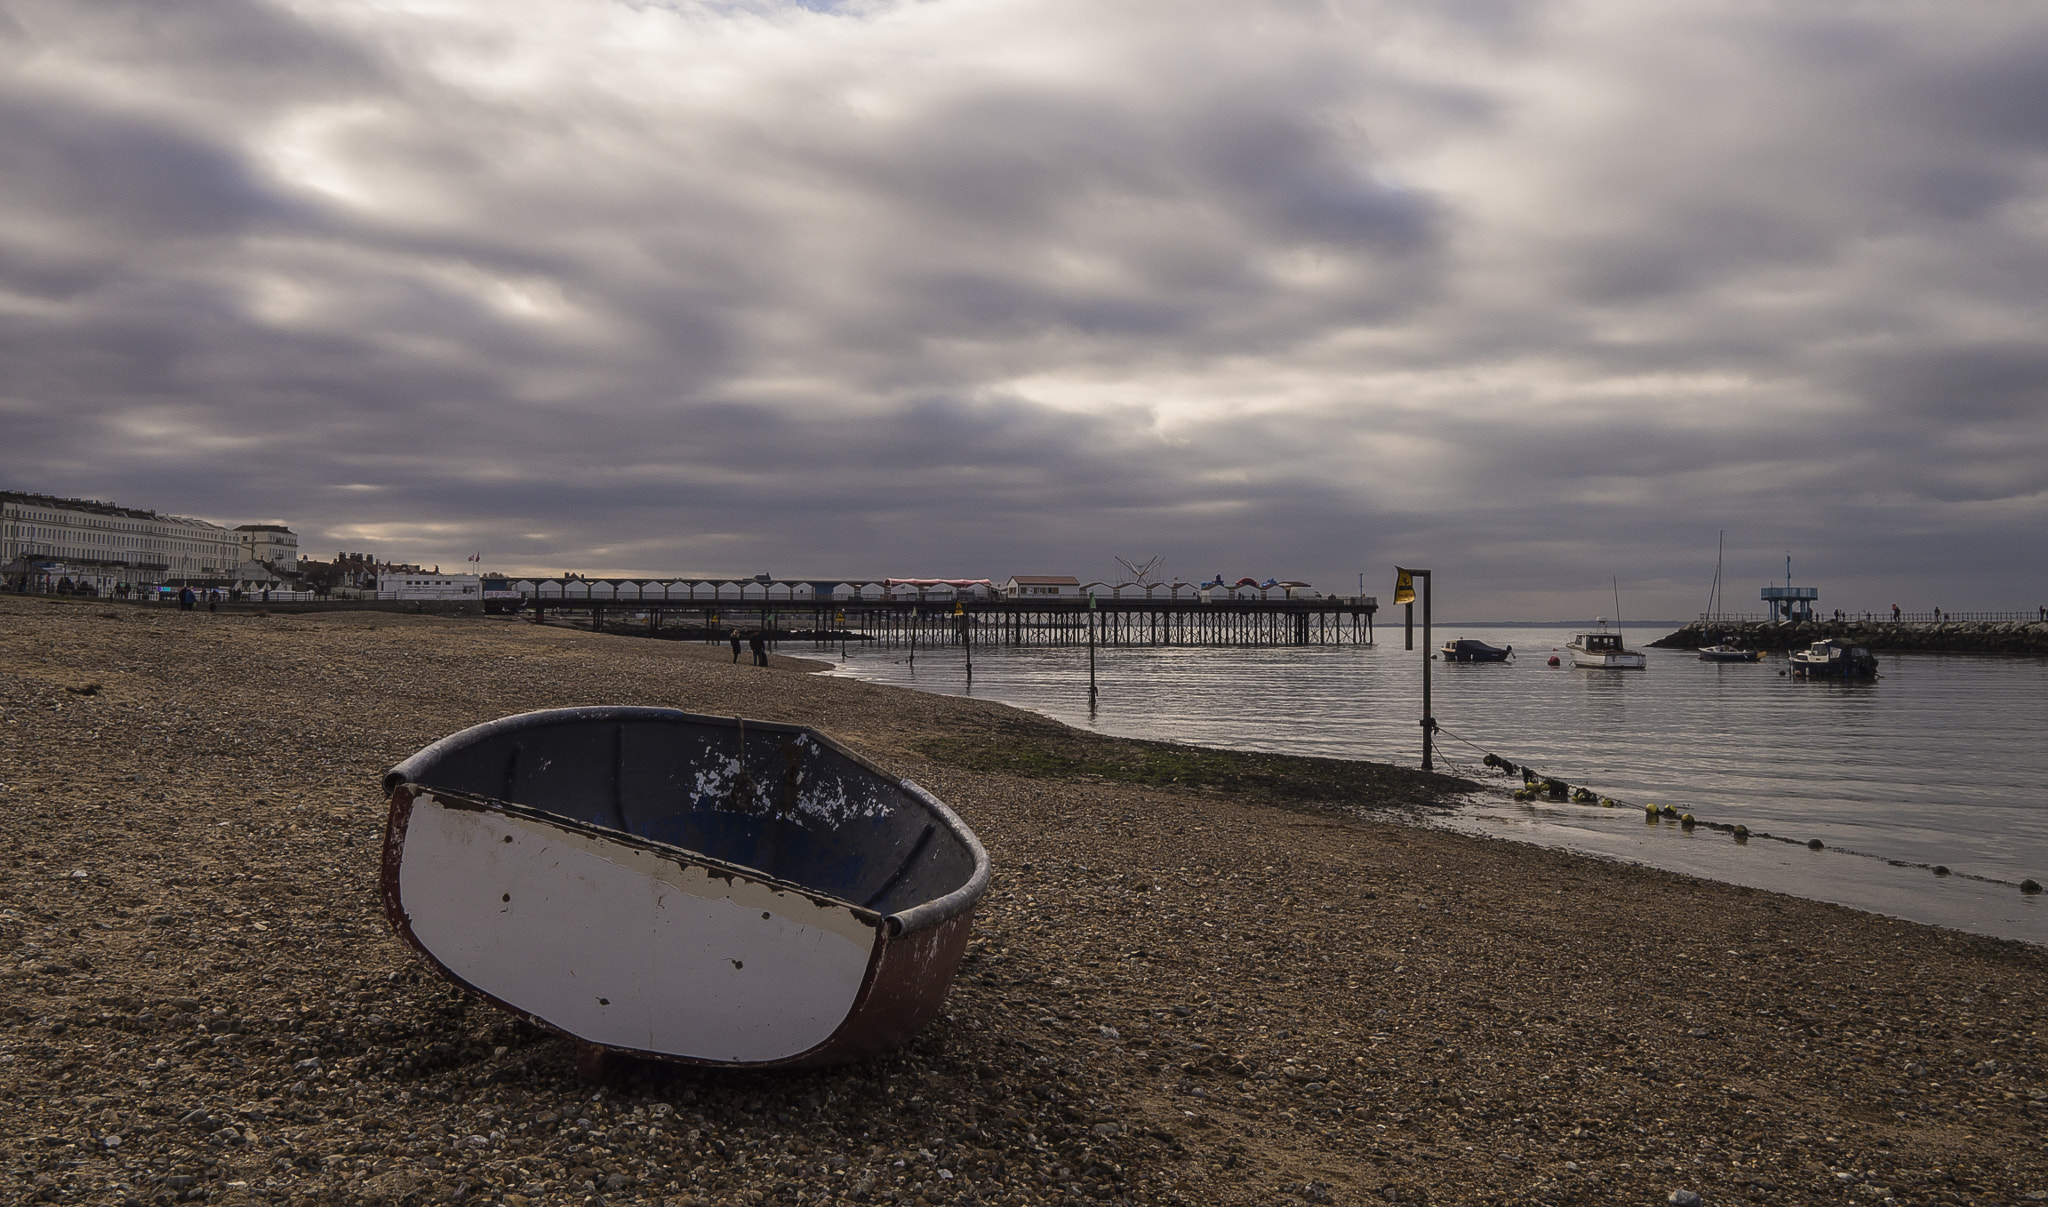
1197 992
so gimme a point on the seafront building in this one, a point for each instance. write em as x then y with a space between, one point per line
93 548
415 583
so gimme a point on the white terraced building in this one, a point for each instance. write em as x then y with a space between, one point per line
46 541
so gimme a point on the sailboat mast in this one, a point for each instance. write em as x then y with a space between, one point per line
1714 593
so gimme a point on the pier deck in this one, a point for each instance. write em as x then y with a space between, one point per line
986 622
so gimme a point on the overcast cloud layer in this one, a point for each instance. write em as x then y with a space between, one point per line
1535 294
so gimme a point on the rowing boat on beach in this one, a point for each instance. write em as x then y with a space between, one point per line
700 889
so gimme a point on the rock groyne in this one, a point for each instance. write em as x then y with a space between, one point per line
1945 637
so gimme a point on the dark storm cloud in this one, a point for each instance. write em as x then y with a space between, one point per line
1542 293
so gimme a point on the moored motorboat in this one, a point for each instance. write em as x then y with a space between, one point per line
1467 649
689 888
1604 651
1834 658
1724 652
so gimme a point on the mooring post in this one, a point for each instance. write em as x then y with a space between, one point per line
1091 647
960 610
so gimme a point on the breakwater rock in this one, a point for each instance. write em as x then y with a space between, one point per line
1945 637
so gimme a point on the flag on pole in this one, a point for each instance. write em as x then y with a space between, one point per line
1404 587
478 556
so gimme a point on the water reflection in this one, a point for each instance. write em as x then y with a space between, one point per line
1935 762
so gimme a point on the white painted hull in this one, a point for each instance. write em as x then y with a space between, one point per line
626 947
1627 660
702 889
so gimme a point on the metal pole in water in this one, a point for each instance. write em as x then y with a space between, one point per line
1428 718
960 610
1091 647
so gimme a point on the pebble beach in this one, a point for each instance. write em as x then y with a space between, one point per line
1193 981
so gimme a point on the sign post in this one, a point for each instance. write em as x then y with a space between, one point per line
1404 593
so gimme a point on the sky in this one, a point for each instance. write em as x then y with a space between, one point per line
1545 297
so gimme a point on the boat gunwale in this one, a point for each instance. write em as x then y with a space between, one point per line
923 915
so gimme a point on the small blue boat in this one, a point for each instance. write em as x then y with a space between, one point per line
1467 649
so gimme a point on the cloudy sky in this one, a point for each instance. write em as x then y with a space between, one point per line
1536 294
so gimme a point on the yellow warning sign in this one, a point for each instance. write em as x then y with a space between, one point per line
1404 587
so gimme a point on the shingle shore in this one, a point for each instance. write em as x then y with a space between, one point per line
1172 996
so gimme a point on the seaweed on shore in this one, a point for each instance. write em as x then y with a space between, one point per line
1300 782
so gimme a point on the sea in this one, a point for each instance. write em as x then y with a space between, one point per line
1924 787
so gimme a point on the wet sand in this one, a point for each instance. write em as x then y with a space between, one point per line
1249 986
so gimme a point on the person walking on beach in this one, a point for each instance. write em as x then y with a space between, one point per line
759 645
735 647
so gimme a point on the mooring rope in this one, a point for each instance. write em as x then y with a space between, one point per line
1539 785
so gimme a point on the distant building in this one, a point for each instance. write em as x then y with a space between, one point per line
1042 586
274 545
49 544
424 584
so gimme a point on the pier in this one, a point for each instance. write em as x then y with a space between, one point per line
889 623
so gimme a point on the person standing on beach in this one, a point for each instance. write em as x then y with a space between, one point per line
735 647
759 645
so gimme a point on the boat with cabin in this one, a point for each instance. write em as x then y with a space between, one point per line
1604 650
1834 658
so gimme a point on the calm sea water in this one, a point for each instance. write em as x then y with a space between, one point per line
1938 762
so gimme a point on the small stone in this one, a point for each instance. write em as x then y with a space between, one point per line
1683 1198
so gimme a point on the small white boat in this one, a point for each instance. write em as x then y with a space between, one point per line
1604 651
698 889
1726 652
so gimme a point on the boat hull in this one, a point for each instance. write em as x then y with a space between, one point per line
1474 651
1627 660
626 943
1720 654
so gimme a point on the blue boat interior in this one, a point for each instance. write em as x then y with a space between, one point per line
777 799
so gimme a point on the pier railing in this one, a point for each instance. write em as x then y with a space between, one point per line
1885 617
1071 622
